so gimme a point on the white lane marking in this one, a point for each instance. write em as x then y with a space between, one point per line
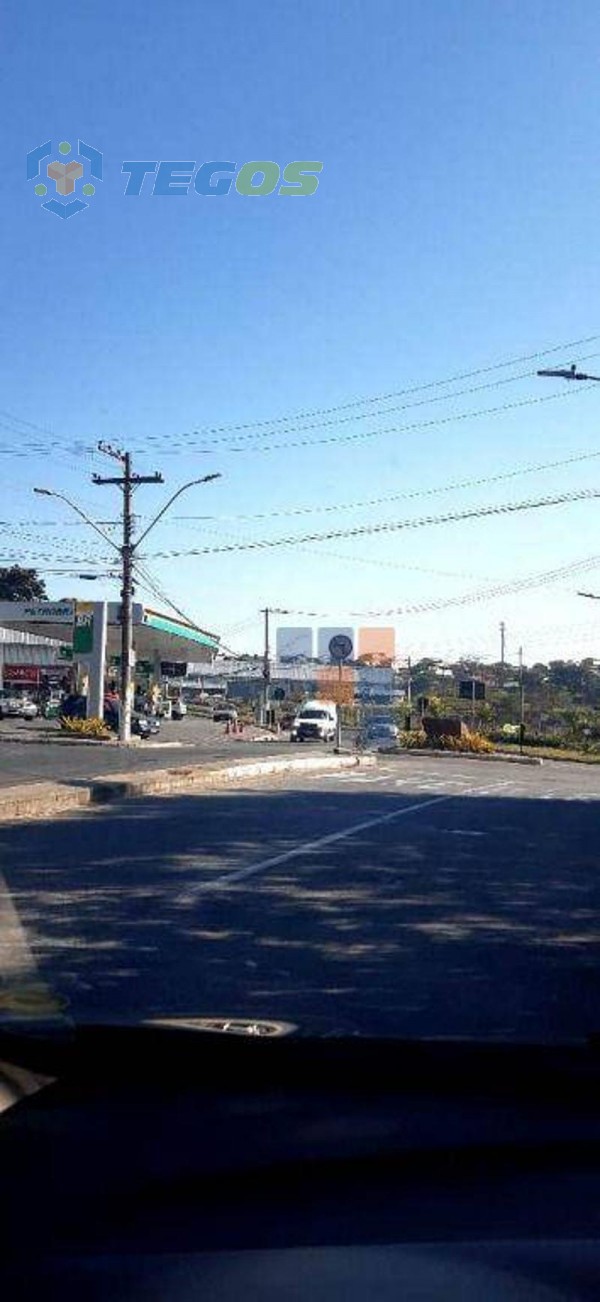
251 870
383 777
463 831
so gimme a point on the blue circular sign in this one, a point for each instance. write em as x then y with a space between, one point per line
340 647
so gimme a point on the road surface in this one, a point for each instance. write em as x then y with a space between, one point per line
190 741
425 897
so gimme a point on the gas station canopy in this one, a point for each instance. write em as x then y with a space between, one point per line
155 636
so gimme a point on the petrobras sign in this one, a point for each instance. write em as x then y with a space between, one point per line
47 612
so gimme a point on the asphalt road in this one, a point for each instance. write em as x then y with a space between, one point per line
190 741
425 897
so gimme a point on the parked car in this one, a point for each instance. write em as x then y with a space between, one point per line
11 707
225 714
29 709
18 707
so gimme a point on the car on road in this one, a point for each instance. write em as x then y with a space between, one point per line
378 732
315 721
225 714
178 709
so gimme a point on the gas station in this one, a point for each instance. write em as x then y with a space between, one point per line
87 635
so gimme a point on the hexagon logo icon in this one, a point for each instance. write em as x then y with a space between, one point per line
56 180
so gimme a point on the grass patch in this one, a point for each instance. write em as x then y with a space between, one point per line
549 752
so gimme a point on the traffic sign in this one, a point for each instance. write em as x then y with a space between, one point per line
340 647
471 689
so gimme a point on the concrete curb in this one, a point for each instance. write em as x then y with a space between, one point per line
44 799
200 778
41 800
496 758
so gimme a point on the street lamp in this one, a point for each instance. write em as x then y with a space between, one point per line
564 373
205 479
50 492
126 552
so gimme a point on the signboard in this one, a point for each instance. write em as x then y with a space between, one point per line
340 647
54 612
471 689
83 629
21 674
278 694
173 668
65 652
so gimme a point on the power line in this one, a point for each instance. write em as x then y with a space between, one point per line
359 504
15 423
330 508
543 579
392 526
172 448
218 441
398 393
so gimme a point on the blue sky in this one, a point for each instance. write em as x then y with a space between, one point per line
454 226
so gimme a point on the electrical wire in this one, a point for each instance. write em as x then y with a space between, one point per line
398 393
218 441
543 579
172 448
457 485
13 423
392 526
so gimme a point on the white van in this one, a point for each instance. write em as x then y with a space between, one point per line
315 721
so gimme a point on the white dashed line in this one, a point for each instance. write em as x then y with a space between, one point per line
253 869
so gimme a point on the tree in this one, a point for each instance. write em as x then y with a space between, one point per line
17 584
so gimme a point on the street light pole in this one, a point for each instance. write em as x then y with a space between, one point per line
126 607
521 702
266 668
127 481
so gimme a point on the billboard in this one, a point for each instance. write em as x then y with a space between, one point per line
324 637
294 643
377 646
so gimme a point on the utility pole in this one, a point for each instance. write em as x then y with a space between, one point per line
521 702
126 482
502 643
408 720
266 668
266 611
